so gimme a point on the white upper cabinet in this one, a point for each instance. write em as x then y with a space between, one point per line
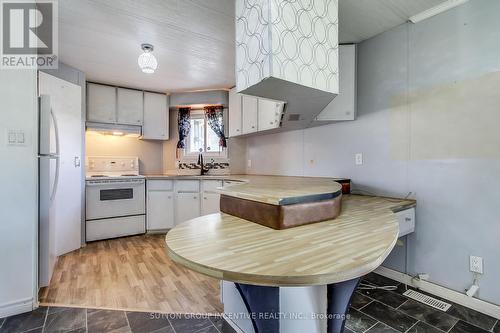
156 119
101 103
249 114
343 107
269 114
130 107
235 121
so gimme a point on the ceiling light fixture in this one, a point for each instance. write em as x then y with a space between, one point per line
447 5
147 61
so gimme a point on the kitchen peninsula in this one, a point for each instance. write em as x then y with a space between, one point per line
294 276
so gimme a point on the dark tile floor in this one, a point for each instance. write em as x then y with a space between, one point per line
77 320
372 311
377 311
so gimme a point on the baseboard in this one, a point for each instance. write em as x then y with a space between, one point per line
14 308
440 291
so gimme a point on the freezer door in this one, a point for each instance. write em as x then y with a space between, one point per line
48 136
47 252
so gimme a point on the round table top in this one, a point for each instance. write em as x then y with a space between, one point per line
233 249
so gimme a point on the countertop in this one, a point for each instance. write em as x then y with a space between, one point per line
274 190
229 248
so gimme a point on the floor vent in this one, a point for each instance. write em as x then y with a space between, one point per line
430 301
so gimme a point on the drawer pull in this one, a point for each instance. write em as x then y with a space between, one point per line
408 219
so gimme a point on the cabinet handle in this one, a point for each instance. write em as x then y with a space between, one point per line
270 123
253 126
169 197
205 198
237 130
195 197
407 219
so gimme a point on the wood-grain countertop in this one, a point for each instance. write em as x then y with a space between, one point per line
274 190
233 249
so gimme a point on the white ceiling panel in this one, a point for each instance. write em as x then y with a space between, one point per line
362 19
193 39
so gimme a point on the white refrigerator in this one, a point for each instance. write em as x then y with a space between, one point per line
60 176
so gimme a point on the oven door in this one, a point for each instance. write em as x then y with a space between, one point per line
115 199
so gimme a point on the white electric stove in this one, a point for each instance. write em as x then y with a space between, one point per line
115 198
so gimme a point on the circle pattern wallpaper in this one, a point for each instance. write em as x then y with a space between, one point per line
294 40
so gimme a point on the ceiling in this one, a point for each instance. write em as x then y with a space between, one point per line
193 39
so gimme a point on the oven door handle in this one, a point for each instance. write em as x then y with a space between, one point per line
111 186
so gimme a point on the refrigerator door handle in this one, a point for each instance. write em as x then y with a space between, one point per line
57 158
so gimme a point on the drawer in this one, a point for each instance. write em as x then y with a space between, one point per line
406 220
160 185
115 227
188 186
211 185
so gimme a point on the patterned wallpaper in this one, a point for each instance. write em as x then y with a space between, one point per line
294 40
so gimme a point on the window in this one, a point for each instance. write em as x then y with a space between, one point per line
202 138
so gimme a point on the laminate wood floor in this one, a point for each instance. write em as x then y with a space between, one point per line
132 273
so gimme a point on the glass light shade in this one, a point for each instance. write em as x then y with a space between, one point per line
147 62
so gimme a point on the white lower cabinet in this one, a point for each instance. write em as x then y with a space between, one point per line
187 206
170 202
160 212
210 203
160 205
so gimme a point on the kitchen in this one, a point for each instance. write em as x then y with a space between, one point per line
149 126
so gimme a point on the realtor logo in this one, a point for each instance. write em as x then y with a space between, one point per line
29 34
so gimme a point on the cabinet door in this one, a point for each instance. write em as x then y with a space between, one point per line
234 113
210 203
187 206
130 107
343 107
249 114
155 117
101 103
160 212
269 114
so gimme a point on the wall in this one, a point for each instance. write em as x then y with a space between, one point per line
150 152
428 115
18 193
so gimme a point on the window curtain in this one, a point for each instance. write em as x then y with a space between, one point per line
184 126
215 119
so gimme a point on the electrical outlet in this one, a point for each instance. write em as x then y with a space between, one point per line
249 163
476 264
359 158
